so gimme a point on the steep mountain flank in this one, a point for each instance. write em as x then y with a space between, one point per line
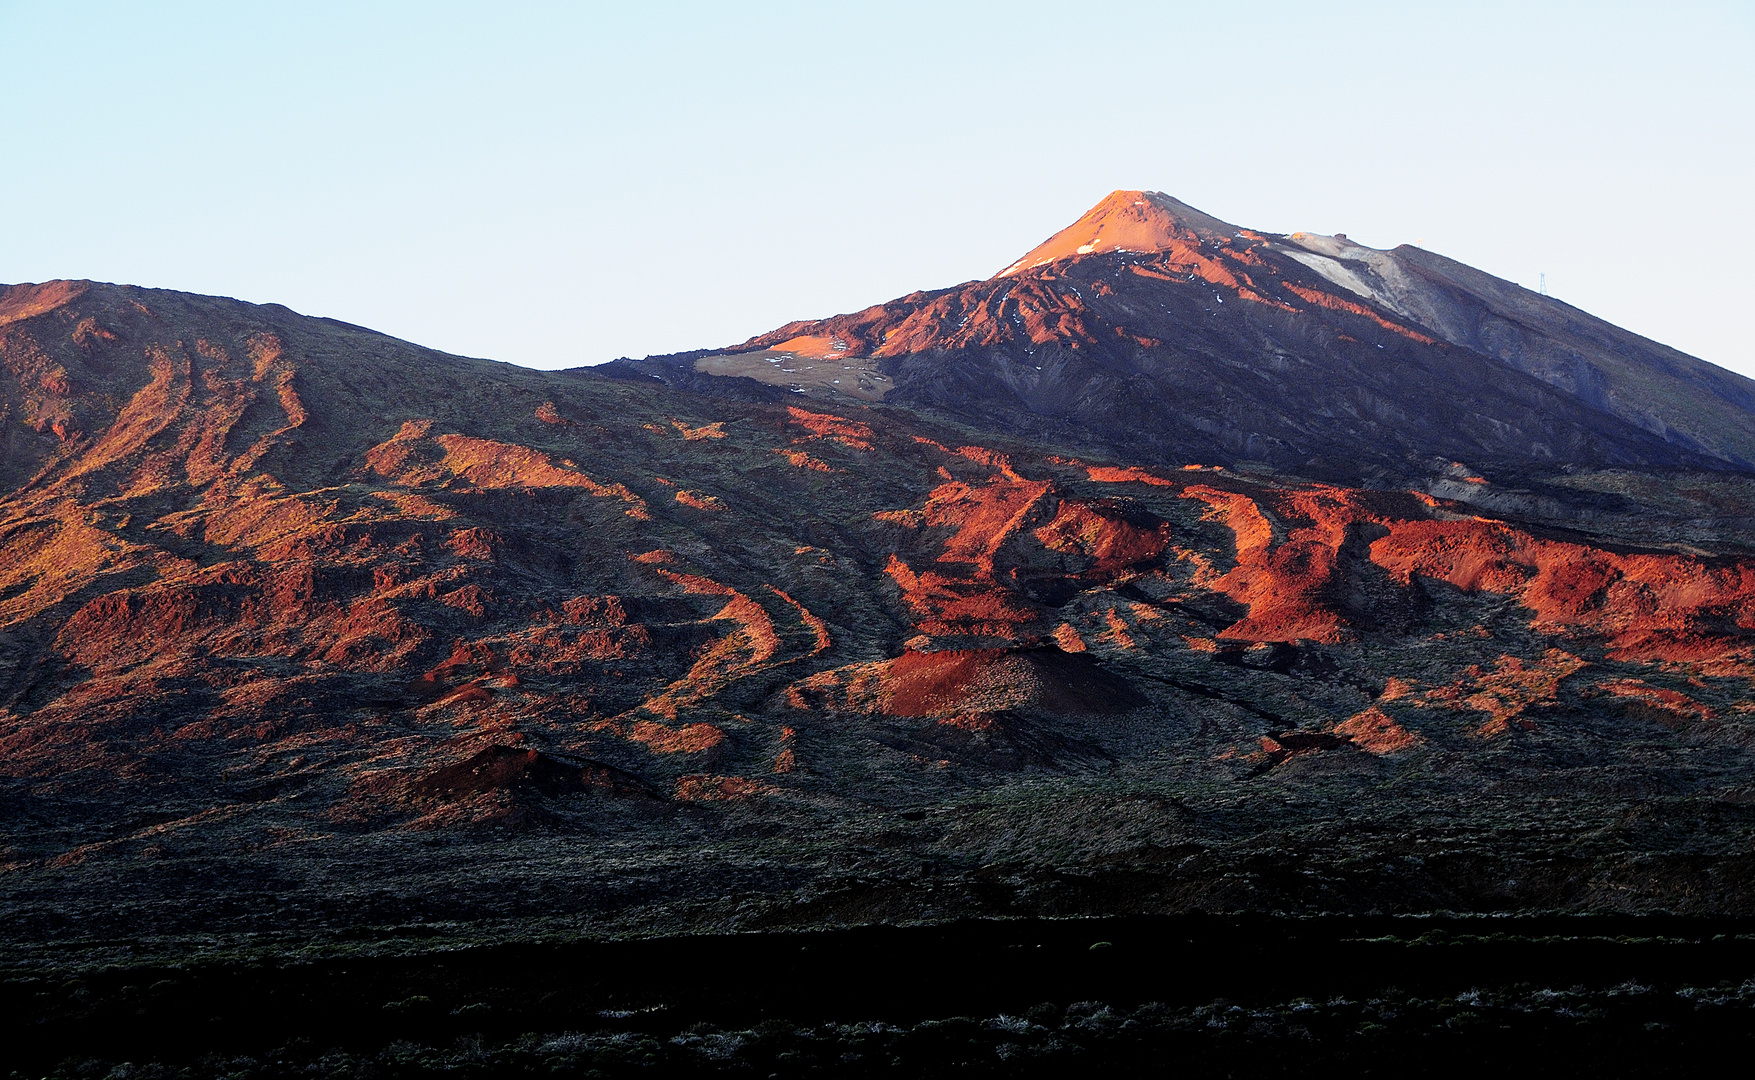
1686 401
420 645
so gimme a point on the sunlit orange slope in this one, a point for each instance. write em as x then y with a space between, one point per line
1127 221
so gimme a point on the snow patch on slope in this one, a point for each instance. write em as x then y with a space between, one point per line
1367 272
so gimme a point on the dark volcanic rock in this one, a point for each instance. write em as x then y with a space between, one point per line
510 769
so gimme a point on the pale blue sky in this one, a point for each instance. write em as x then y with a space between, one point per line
560 184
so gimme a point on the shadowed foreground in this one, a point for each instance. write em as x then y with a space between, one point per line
1186 996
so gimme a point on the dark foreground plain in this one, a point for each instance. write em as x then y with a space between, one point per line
1180 996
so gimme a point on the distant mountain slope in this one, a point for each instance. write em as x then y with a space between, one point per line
108 389
1685 400
1153 330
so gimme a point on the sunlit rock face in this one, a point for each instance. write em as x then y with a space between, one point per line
1178 574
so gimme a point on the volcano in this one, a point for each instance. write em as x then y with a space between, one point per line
1176 568
1153 331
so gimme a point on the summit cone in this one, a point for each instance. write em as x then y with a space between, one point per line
1138 221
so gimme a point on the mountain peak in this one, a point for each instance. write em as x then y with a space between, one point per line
1126 221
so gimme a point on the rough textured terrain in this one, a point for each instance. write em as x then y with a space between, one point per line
311 636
